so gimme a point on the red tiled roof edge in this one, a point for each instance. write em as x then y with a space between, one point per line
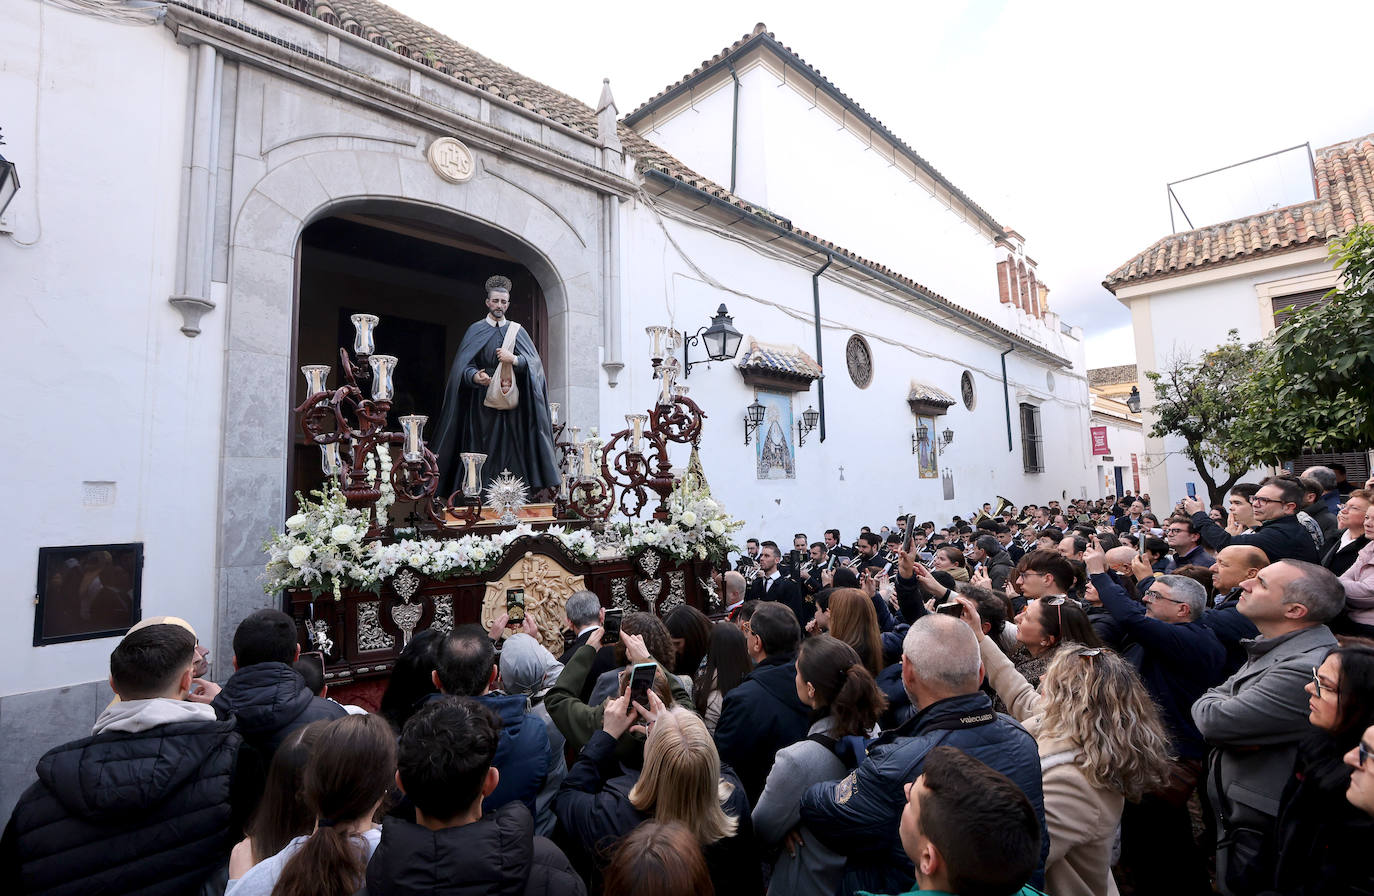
1345 199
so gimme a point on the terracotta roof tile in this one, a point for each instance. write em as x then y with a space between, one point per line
788 360
1111 376
929 394
1345 200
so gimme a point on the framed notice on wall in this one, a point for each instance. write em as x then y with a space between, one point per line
87 591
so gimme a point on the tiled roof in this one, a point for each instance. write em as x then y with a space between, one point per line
384 26
1345 199
761 35
787 360
929 394
1111 376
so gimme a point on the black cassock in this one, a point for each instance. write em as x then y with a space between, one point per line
519 440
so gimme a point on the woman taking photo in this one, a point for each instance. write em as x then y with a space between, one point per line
682 780
1101 742
1045 624
1321 839
845 704
353 764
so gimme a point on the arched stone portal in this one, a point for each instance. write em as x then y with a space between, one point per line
554 232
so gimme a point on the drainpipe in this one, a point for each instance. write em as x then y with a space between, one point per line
734 134
816 299
1006 394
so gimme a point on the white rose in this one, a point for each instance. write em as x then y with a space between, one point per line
298 555
297 522
650 537
689 519
717 527
478 554
342 534
418 559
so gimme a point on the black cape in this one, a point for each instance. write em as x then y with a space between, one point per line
519 440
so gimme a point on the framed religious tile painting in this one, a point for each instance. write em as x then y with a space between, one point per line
87 591
927 460
776 453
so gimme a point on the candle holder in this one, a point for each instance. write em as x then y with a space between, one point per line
412 427
636 422
472 473
553 413
316 378
383 366
364 341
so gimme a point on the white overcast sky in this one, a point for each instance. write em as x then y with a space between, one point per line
1064 120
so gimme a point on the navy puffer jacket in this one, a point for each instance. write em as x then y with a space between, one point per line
859 815
270 700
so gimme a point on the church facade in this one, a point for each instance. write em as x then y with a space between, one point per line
192 231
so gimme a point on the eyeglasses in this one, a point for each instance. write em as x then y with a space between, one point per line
1261 500
1152 594
1176 531
1364 752
1088 651
1317 683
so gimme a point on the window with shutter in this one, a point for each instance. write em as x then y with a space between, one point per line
1284 306
1032 449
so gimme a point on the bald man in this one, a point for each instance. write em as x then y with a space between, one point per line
1235 564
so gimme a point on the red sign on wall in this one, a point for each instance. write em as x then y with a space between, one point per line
1099 434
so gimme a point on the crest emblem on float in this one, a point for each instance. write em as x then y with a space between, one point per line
451 160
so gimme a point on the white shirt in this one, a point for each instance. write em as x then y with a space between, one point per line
768 582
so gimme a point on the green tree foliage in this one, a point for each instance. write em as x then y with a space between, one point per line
1204 402
1316 375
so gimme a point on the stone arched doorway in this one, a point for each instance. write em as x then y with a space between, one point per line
424 282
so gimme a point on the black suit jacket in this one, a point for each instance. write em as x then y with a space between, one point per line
1338 559
785 591
576 643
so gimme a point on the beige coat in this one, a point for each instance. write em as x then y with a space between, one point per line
1082 819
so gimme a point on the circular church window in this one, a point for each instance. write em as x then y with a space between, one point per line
860 361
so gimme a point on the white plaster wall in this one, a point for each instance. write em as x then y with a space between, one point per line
795 160
1194 319
869 431
103 385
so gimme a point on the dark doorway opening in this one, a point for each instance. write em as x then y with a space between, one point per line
426 285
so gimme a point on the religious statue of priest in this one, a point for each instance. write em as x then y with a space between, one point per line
496 402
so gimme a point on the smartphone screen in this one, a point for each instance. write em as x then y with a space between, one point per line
910 538
641 680
611 627
515 605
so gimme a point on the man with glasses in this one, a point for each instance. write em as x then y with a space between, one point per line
1178 658
1361 759
1280 535
1257 717
1186 543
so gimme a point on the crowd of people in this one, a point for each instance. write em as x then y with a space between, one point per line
1087 698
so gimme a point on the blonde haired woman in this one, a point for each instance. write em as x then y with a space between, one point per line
682 780
1101 743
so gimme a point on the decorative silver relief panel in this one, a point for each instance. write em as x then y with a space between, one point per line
371 635
443 613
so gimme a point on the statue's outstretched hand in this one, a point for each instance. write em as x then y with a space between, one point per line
482 378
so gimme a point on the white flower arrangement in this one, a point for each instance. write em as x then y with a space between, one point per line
323 550
379 477
698 528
